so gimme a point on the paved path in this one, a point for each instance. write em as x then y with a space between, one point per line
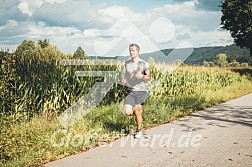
219 136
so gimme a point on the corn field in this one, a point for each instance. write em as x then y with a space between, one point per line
38 84
188 80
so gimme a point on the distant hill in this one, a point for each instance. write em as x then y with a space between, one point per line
197 57
233 52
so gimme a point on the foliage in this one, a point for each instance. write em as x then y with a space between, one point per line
241 55
34 81
244 65
44 43
36 87
186 81
206 63
243 71
184 91
234 63
28 76
237 18
211 64
222 59
79 53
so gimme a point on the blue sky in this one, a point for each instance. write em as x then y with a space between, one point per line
101 26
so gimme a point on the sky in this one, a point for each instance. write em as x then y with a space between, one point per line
105 28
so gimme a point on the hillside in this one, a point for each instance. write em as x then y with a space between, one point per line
233 52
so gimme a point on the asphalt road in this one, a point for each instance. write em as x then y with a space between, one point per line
219 136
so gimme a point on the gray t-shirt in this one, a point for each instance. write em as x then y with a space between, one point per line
131 68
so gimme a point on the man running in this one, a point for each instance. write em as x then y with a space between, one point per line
136 76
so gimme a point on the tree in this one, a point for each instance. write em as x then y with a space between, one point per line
25 49
234 63
244 64
222 59
79 53
237 18
211 64
206 64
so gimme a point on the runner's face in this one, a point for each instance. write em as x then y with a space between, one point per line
133 52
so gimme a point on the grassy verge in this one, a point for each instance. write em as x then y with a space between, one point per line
43 139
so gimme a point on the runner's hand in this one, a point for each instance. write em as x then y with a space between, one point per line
139 75
124 81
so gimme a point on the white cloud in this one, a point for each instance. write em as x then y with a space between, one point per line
72 23
29 6
14 28
55 1
94 32
191 25
10 24
41 31
9 11
24 7
76 13
187 14
114 11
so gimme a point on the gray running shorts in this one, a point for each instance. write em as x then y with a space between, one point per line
136 98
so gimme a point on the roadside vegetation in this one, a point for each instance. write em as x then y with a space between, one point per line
36 87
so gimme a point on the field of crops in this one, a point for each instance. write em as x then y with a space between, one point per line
36 88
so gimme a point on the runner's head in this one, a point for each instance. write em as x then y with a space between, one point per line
134 50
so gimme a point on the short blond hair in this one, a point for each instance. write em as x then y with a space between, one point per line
136 45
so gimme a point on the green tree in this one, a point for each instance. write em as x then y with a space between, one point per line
234 63
26 48
206 63
222 59
32 61
79 53
237 18
211 64
244 64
